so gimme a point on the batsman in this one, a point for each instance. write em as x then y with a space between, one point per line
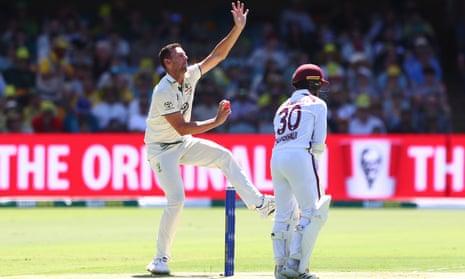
301 206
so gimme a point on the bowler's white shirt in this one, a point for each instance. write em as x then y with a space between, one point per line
167 98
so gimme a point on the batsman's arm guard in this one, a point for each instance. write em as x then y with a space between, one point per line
318 149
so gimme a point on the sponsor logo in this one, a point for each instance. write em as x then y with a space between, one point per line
168 105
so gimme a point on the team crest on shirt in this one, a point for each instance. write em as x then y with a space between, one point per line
168 105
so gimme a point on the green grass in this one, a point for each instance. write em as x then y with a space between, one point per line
122 240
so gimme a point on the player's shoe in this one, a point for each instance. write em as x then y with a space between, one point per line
159 266
277 270
290 273
268 206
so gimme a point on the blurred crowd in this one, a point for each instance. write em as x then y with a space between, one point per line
93 71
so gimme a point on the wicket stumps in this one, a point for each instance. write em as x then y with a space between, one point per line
230 224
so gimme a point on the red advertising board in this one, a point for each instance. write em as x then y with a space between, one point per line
96 166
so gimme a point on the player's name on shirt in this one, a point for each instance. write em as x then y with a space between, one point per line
286 137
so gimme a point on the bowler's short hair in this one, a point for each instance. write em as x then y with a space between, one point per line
165 52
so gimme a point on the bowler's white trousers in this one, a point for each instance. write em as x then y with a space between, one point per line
165 160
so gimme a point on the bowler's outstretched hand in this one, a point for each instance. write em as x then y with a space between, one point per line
239 15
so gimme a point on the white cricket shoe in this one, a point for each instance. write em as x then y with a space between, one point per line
277 270
268 206
290 273
158 266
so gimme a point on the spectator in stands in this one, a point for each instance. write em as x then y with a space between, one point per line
389 54
54 69
11 119
79 118
137 121
430 99
274 87
143 45
206 103
331 61
394 104
262 81
392 78
274 93
387 43
7 56
235 76
364 122
111 113
102 59
50 31
145 77
385 30
3 85
14 123
297 27
173 28
89 87
136 22
430 116
144 91
32 108
405 124
421 56
20 74
357 61
120 46
267 112
105 23
431 85
47 121
82 44
243 118
7 104
416 25
340 106
272 49
116 78
364 84
356 43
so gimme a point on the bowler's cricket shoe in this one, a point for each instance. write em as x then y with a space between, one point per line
277 270
290 273
268 206
159 266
